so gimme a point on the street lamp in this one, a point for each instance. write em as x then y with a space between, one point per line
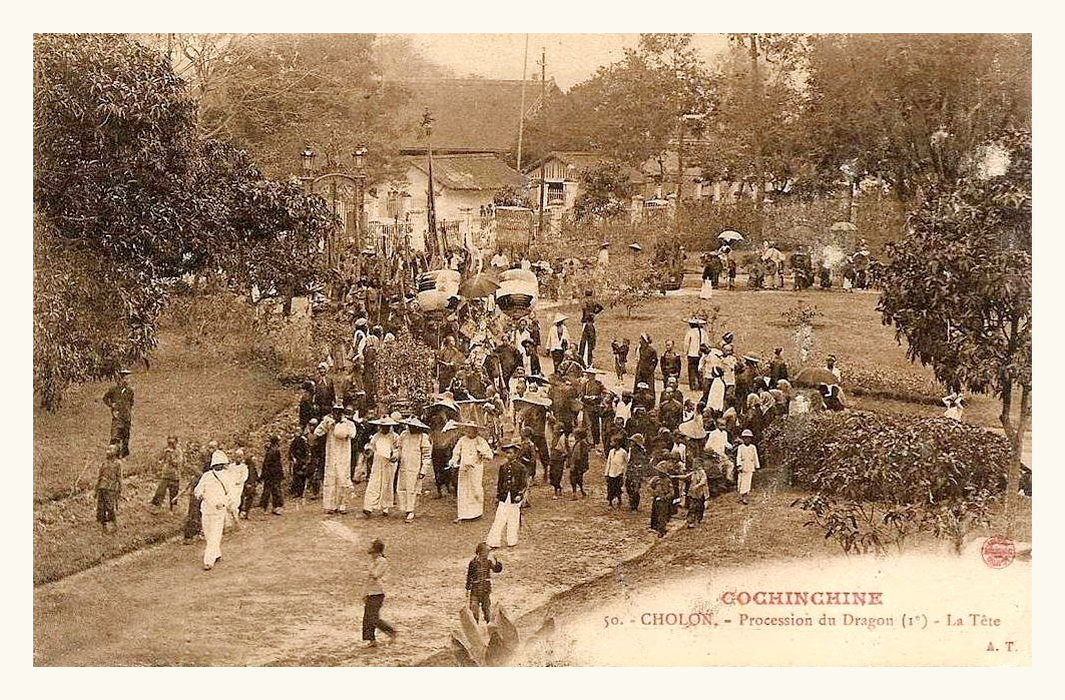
360 182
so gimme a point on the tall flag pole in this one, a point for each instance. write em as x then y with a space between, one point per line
427 124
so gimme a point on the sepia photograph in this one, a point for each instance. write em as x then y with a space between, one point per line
532 350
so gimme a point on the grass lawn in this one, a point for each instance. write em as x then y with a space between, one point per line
183 394
849 328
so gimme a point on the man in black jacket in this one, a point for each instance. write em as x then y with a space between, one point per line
510 490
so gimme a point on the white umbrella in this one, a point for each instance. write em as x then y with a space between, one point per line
843 226
730 236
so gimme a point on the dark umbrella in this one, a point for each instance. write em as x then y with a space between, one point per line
479 286
812 376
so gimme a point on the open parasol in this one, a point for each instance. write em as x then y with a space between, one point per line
812 376
843 226
730 235
479 286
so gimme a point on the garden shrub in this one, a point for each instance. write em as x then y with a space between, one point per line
877 478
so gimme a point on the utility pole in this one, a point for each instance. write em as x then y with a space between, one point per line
521 120
543 100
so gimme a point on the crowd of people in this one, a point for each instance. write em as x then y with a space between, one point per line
504 387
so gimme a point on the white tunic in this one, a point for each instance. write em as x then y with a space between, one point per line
382 472
415 454
554 338
469 456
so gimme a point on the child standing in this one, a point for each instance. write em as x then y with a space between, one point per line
578 461
109 488
662 503
634 471
171 465
559 455
617 461
273 475
479 581
621 357
746 463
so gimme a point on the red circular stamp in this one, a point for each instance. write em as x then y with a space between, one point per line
998 552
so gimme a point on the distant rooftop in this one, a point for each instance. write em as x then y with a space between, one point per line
471 115
476 171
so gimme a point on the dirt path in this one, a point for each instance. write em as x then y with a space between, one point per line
288 590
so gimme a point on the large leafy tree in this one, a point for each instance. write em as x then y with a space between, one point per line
273 94
605 192
127 199
912 109
958 287
631 110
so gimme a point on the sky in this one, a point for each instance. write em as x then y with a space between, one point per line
571 58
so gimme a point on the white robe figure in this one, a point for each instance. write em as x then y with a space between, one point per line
384 455
604 257
707 290
469 457
238 476
337 478
216 490
415 458
747 463
716 399
717 443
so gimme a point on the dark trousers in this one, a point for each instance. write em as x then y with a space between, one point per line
371 617
556 357
440 459
247 498
120 431
271 495
632 488
192 520
696 509
299 480
558 466
481 603
542 451
591 420
660 512
106 506
576 478
694 380
166 486
613 489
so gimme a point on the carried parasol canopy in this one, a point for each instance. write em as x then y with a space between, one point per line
774 255
730 236
813 376
635 247
479 286
843 226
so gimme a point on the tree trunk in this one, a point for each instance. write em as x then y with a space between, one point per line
1013 476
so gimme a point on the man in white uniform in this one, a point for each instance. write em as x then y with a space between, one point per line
215 491
747 463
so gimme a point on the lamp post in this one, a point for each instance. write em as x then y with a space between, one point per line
306 167
360 187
